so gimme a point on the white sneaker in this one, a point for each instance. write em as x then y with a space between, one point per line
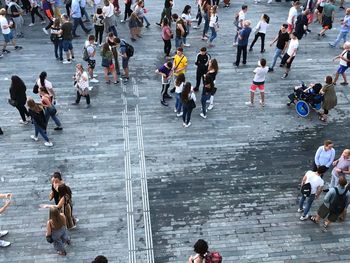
122 21
175 110
179 114
184 124
195 27
3 233
34 137
187 45
43 22
234 44
45 31
188 125
303 218
93 80
203 116
66 61
95 75
4 243
262 103
23 122
211 106
31 24
48 144
269 1
300 210
248 103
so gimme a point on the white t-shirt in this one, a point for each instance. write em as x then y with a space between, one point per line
48 86
90 50
186 17
262 26
241 16
108 11
293 44
213 20
260 74
293 13
343 62
315 181
178 89
4 22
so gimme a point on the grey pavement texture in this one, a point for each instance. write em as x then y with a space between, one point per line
230 179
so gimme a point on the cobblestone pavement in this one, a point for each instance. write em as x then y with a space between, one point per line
145 189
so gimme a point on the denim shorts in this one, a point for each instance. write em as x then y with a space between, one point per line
67 45
8 37
125 62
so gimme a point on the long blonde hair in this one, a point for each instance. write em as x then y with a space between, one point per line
34 106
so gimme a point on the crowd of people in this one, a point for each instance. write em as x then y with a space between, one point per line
115 53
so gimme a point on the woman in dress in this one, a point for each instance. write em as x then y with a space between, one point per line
107 63
56 231
329 98
19 97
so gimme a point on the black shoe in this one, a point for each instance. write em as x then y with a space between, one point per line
58 129
76 36
308 30
1 132
270 70
281 65
6 51
196 89
251 49
262 51
325 190
116 82
158 24
75 103
167 96
341 7
285 75
18 47
164 103
88 31
147 26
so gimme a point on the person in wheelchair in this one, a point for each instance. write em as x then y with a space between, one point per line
310 94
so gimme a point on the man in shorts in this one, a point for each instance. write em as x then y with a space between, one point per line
91 51
344 61
292 16
328 15
330 209
290 54
125 58
6 32
67 37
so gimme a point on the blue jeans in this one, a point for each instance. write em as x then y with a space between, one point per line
40 130
178 42
145 18
206 24
277 54
341 36
58 49
310 199
204 99
76 22
51 112
187 111
178 103
213 34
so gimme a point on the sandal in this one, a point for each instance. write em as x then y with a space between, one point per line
313 219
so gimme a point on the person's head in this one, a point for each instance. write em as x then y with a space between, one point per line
165 21
56 178
186 91
2 12
328 145
100 259
342 181
33 106
57 23
105 48
91 38
321 169
169 64
247 23
42 77
296 4
265 18
201 247
347 11
106 2
64 18
346 153
214 9
203 50
179 51
79 67
244 8
262 62
284 28
187 9
99 11
64 190
110 35
140 3
213 65
175 17
180 79
346 45
117 40
16 82
293 36
329 80
57 219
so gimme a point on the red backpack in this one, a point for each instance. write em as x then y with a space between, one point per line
213 257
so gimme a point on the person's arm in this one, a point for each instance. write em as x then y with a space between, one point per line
8 195
318 192
331 159
59 205
276 38
4 207
335 162
303 180
317 156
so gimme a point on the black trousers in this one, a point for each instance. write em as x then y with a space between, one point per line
240 50
164 92
76 22
22 111
35 11
200 76
199 16
167 47
127 11
87 97
166 13
262 36
99 33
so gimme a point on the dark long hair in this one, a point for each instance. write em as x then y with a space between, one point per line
64 190
185 92
180 78
42 78
17 83
186 8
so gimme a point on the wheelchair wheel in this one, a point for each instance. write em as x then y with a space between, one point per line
302 108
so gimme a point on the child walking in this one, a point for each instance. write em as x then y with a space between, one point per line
258 82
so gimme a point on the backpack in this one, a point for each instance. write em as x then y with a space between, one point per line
213 257
306 189
85 53
339 202
348 57
18 8
129 49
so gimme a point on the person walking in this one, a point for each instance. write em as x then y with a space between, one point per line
36 111
7 203
316 184
166 13
7 33
34 10
109 18
328 16
258 83
301 24
91 57
199 16
344 29
76 15
139 10
341 168
206 16
56 39
47 8
202 61
180 31
56 231
67 37
165 71
243 43
127 10
213 24
292 16
344 63
213 70
19 97
187 19
260 29
98 20
282 40
15 12
324 156
42 82
50 110
208 89
81 84
289 56
167 35
239 20
135 25
188 100
329 98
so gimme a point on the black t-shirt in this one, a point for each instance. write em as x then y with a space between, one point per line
13 9
167 4
67 31
282 39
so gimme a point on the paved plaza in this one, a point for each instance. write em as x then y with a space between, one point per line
145 188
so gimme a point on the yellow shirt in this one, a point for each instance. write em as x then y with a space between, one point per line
179 63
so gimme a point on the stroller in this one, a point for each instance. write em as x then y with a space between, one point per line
306 98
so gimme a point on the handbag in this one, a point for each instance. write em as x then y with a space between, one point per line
49 239
36 89
12 102
191 104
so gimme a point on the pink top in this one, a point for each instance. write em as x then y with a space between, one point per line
166 33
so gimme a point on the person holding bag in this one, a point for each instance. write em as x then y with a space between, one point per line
188 99
50 110
107 63
81 83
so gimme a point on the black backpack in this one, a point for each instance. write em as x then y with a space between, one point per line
348 57
339 202
129 49
306 189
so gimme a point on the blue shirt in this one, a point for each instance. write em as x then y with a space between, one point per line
323 157
122 48
76 12
244 33
345 27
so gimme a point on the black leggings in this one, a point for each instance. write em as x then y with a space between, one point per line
99 33
199 16
22 111
35 11
325 111
127 11
199 77
262 36
164 92
167 47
